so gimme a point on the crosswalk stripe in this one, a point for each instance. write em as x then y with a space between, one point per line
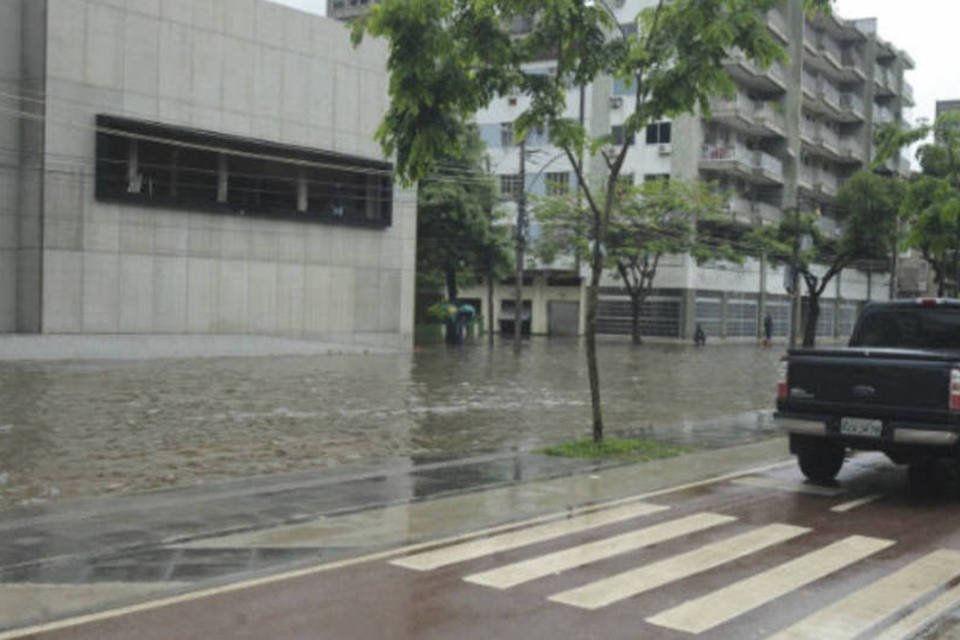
552 563
437 558
630 583
863 609
707 612
853 504
912 624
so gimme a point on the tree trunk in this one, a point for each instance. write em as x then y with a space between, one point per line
635 304
453 327
490 320
810 328
593 370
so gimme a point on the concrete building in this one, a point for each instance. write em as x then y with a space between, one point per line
201 167
947 105
788 138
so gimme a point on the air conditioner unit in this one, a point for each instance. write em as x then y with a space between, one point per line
616 102
665 149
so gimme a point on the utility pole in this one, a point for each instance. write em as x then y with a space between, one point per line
521 246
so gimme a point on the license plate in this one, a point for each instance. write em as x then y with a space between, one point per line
861 427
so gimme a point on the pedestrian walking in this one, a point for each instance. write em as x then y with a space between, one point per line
767 331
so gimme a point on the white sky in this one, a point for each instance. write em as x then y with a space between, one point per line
926 29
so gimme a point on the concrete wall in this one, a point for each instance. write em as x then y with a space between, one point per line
241 67
10 80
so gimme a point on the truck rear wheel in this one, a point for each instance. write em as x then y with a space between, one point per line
820 460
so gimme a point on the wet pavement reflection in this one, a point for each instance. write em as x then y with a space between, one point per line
71 429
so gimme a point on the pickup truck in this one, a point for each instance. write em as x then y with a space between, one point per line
895 388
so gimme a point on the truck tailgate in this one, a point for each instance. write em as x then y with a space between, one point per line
870 383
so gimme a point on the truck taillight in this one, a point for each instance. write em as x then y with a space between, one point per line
783 391
955 389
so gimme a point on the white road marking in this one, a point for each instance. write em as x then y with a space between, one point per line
912 624
858 612
788 485
442 557
25 633
557 562
853 504
636 581
711 610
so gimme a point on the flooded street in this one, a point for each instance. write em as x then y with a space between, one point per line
70 429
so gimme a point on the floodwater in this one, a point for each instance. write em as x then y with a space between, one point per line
71 429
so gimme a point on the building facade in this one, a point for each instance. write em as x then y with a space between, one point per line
789 137
197 167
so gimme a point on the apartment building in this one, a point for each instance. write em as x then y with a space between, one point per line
788 138
203 168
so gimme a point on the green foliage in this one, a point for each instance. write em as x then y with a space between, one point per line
932 204
635 450
457 230
450 58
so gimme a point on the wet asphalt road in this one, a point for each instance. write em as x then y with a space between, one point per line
759 556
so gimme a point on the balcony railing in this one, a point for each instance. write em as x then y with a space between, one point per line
852 59
757 161
809 84
829 93
908 91
740 208
778 21
768 164
829 138
829 183
851 146
883 115
766 211
767 112
852 102
738 104
829 49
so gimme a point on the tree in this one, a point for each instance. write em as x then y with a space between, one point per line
450 58
932 204
650 221
457 232
868 205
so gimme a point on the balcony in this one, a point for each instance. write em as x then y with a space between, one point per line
756 117
852 64
829 94
766 211
851 149
883 115
809 84
852 105
829 50
778 24
884 80
756 166
741 209
828 183
808 177
745 72
828 139
908 93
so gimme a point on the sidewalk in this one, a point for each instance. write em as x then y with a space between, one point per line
151 347
86 555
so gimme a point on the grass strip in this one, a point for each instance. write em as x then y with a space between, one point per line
631 449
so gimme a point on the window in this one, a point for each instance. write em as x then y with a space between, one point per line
659 133
652 177
156 165
506 134
558 183
619 135
510 186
